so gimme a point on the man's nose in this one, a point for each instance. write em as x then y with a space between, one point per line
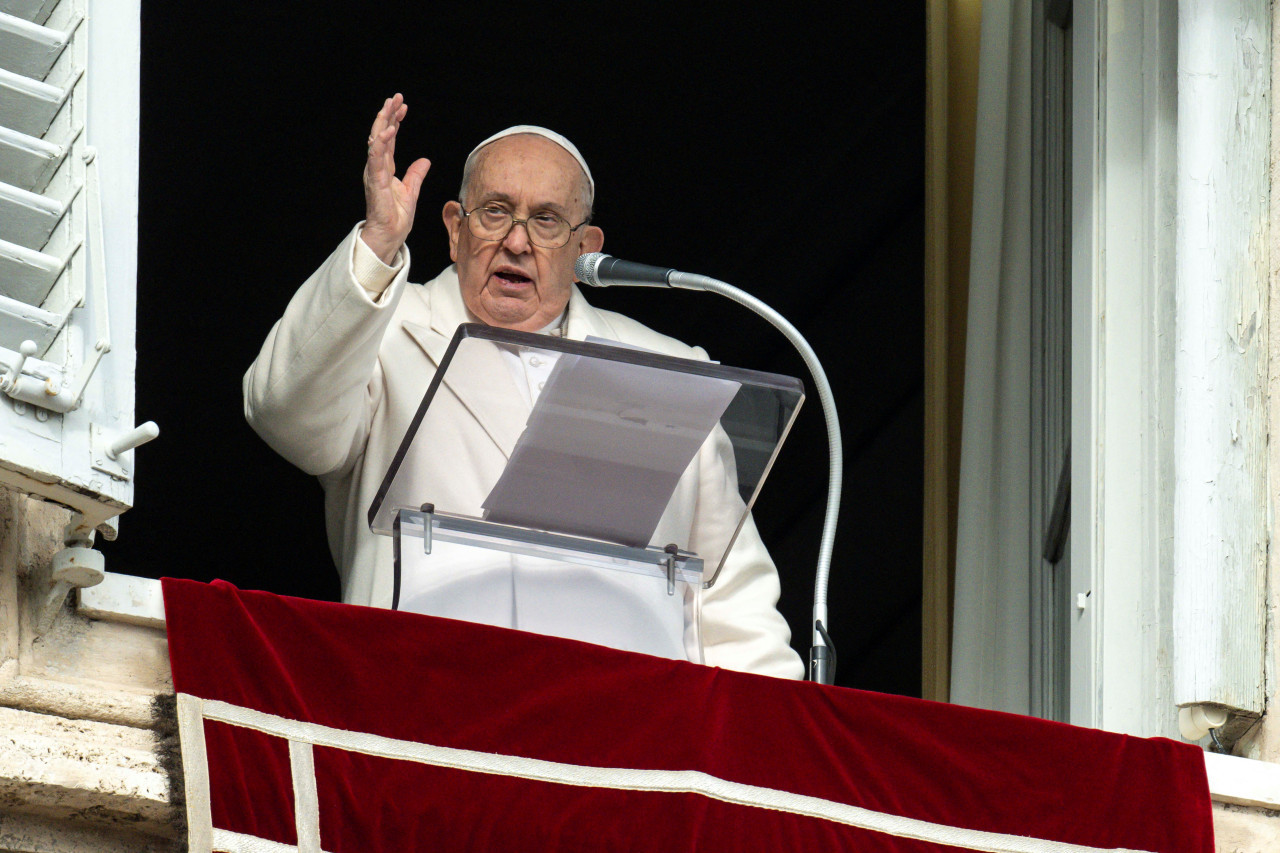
517 239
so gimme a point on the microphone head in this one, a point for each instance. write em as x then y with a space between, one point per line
587 268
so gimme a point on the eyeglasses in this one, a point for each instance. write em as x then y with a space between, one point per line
546 230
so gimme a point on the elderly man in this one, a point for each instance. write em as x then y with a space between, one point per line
341 375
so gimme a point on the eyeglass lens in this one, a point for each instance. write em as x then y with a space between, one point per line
494 223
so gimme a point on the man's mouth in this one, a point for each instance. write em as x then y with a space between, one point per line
512 277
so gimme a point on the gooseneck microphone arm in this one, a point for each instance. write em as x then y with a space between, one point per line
602 270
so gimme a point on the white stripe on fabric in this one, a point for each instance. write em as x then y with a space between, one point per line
306 801
631 779
195 773
225 841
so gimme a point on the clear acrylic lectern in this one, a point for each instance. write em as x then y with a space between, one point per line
587 490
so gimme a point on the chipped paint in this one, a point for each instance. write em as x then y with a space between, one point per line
1220 431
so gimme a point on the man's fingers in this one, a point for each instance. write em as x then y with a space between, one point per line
390 115
387 148
414 176
393 111
375 162
381 154
389 202
393 123
380 120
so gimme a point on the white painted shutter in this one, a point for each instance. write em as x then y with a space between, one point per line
68 248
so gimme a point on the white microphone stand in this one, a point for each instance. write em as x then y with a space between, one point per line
822 658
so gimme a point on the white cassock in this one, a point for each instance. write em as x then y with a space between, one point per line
342 374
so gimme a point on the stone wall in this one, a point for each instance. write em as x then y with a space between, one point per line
80 767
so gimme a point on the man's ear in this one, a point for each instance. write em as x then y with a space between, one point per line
592 239
452 215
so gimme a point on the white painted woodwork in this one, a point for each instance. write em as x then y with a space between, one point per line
68 246
28 218
1122 188
1085 240
29 106
30 49
1220 530
36 11
26 275
22 322
28 162
1123 124
1050 360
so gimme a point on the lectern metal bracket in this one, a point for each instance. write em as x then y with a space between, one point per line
427 511
671 551
668 563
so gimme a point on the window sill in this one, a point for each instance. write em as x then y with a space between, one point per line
124 598
1243 781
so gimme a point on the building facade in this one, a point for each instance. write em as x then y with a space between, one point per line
1101 368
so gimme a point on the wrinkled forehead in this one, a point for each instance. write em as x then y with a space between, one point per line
534 130
528 160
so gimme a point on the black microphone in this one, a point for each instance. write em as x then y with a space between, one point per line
600 270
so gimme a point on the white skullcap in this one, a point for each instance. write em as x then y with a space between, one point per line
545 134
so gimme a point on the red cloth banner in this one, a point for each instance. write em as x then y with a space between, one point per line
312 726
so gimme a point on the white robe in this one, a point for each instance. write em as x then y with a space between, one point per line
341 375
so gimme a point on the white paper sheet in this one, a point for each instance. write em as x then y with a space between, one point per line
605 446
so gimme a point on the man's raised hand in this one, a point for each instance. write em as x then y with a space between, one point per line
389 201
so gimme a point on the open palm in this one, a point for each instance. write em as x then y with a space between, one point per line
390 202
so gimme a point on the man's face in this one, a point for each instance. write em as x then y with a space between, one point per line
511 282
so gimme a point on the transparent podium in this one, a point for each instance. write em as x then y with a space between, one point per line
587 490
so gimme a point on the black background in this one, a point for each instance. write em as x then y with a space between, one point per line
781 151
